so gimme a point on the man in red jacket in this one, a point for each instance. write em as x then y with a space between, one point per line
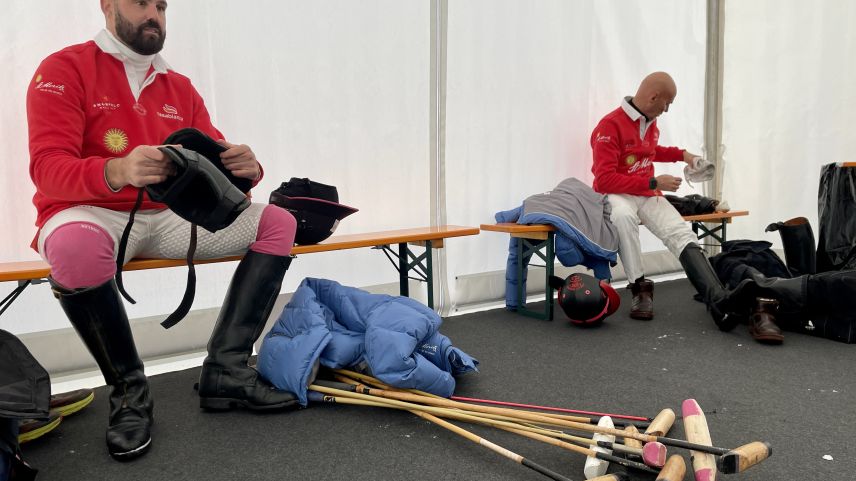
625 147
97 112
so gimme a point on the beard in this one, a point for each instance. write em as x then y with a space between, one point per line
137 38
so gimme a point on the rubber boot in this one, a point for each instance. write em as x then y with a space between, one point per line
642 307
99 317
798 243
720 303
763 327
226 381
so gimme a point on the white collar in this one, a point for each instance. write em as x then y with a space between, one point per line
630 110
635 115
109 44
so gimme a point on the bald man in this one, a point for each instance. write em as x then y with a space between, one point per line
625 147
97 112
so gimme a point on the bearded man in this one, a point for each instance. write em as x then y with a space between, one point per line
97 113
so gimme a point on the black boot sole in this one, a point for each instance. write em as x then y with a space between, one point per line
642 316
132 454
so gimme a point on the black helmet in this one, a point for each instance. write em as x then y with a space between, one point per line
314 205
585 299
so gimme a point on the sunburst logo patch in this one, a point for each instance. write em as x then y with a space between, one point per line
631 159
115 140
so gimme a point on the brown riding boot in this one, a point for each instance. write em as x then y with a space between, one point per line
763 325
642 307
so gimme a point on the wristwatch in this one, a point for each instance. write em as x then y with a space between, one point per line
652 183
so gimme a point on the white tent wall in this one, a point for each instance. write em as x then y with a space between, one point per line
527 83
343 92
788 101
336 91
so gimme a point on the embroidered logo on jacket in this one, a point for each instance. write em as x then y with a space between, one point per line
170 112
49 87
106 104
115 140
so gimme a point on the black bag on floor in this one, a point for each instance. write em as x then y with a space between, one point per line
836 204
25 392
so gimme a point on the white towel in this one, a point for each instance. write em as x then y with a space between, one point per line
699 170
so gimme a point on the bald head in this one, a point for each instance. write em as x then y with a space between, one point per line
655 93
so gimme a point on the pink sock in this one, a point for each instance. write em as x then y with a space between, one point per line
80 255
275 235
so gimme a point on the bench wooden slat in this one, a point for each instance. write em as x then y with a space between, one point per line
28 270
512 228
716 216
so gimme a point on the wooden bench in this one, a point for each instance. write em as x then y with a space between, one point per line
537 237
35 272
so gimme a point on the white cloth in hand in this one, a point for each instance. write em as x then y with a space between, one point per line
699 170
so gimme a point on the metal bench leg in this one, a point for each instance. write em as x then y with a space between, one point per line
422 266
526 247
718 232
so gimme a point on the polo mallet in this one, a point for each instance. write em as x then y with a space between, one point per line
662 423
642 421
346 397
652 454
550 408
695 426
553 421
345 376
732 461
674 470
317 396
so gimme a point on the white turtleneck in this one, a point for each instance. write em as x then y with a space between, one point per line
137 66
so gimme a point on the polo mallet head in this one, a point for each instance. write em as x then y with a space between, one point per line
662 423
695 425
740 459
653 453
674 470
595 467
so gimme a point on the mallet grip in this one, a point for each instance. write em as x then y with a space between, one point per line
740 459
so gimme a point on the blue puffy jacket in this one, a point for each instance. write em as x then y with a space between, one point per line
337 326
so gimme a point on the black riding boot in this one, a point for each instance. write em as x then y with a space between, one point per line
99 317
719 301
798 243
226 381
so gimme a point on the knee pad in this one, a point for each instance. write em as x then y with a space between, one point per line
275 234
80 255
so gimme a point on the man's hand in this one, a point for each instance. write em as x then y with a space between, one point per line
143 166
688 157
240 160
668 182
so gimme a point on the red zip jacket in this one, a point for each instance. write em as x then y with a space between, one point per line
622 159
81 113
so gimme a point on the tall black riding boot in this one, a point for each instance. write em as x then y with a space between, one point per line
226 381
99 317
798 243
720 303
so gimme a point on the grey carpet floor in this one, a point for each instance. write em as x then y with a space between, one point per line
799 397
